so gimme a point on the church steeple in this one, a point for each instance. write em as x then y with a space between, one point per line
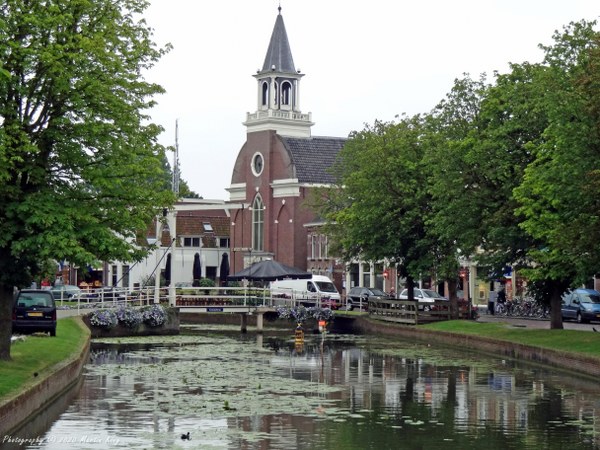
279 90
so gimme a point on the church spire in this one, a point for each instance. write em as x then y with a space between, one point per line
279 90
279 54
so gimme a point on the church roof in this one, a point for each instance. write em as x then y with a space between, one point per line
279 54
313 157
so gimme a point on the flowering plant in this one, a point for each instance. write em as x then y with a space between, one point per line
321 313
130 317
301 314
154 315
103 318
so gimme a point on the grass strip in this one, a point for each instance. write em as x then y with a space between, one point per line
572 341
38 353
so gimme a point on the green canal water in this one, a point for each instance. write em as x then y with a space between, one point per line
246 391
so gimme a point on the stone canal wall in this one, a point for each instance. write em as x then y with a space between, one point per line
20 409
580 364
170 327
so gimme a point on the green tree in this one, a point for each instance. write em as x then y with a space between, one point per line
379 208
482 159
560 191
80 166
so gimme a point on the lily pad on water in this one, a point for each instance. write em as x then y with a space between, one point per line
202 374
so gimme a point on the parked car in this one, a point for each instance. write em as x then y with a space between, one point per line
581 305
65 291
359 296
34 310
104 294
423 296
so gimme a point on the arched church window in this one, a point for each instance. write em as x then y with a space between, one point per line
258 224
265 94
286 93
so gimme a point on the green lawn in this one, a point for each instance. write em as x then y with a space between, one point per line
573 341
38 353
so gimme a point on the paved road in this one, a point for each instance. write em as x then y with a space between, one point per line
537 323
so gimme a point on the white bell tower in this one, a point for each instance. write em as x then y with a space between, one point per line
278 99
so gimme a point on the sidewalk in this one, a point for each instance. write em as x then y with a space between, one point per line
535 323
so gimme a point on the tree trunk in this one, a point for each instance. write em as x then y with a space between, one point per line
453 300
410 288
556 322
6 304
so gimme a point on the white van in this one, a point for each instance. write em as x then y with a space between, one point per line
317 291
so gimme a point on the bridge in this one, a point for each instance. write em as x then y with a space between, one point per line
188 300
247 301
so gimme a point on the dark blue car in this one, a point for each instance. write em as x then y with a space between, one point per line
582 305
34 310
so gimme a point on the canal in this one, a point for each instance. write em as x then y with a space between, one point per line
246 391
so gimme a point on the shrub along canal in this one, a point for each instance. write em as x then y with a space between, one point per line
230 391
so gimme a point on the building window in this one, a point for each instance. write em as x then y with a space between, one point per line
286 93
191 242
258 222
323 247
115 273
265 94
207 227
313 246
125 277
257 164
224 242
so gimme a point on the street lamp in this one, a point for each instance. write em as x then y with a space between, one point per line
162 226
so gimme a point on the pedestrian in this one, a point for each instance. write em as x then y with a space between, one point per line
502 296
392 293
492 302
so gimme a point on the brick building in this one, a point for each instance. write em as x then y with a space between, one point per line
275 171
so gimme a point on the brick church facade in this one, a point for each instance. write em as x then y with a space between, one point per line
275 171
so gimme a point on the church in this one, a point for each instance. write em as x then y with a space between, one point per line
275 171
266 215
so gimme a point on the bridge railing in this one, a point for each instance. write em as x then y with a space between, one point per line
410 312
223 296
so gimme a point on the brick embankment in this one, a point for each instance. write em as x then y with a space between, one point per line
21 408
572 362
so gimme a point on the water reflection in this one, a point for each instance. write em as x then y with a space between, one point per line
342 392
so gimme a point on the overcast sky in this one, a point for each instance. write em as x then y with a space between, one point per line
362 61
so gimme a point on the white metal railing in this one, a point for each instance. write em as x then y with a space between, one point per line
195 296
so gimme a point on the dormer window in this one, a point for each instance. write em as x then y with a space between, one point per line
191 241
207 227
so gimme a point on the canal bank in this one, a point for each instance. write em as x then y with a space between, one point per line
46 388
572 362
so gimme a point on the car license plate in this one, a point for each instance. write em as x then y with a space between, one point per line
35 314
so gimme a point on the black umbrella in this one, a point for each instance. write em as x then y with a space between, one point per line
197 269
269 270
168 271
224 270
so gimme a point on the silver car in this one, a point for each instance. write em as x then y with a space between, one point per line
423 296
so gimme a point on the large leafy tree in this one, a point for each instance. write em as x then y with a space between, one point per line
380 207
559 194
80 166
481 158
